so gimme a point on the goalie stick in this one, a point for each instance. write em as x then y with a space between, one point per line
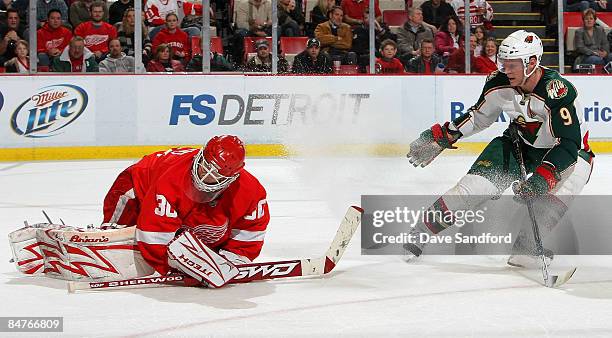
252 271
551 281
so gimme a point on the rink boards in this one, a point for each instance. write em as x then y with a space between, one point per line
125 116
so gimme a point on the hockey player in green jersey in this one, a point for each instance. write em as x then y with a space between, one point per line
555 142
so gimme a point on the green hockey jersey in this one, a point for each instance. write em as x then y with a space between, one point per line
547 117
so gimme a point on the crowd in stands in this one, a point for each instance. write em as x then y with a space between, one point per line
98 36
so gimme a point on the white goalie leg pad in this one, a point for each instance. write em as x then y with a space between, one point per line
470 192
74 254
189 255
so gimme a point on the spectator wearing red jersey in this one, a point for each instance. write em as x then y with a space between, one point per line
447 39
80 11
96 32
486 62
456 61
52 38
162 62
388 63
174 37
354 9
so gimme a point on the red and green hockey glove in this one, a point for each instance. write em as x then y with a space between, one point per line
431 143
543 180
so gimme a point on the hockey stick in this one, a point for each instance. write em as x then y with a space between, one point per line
550 281
253 271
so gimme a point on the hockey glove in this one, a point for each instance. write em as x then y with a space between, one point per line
543 180
431 143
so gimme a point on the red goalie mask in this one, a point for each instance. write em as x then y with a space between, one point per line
217 165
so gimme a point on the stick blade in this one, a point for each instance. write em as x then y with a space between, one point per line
350 223
558 280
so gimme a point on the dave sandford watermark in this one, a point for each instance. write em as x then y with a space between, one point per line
409 218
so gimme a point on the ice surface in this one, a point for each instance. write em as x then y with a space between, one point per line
365 295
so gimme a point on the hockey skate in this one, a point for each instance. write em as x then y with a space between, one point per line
413 250
524 254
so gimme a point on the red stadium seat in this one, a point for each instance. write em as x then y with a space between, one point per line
249 45
572 19
2 70
293 45
395 17
216 45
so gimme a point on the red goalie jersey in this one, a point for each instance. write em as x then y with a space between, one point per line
234 223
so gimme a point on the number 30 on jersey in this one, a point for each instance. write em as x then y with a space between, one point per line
164 208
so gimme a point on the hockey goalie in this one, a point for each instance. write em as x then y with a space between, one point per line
192 211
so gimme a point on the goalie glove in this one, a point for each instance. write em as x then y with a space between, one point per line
189 255
431 143
543 180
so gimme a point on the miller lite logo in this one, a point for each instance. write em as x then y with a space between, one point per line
49 110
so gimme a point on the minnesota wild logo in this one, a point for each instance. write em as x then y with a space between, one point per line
529 130
556 89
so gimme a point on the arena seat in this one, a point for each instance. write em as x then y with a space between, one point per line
292 46
216 45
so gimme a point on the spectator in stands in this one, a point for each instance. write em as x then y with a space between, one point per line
80 11
410 35
125 34
262 61
289 20
117 9
481 13
44 6
96 32
361 39
481 38
354 9
456 61
117 61
253 18
578 5
336 37
592 46
218 63
52 38
156 12
174 37
447 39
21 62
435 12
486 62
387 63
163 62
10 34
427 62
312 60
75 58
319 12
